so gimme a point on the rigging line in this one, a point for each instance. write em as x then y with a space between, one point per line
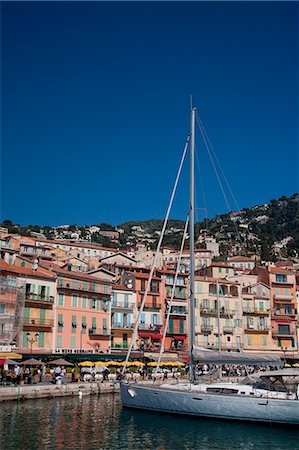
173 292
213 164
133 339
220 166
218 178
202 188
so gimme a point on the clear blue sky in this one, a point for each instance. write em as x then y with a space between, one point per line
95 106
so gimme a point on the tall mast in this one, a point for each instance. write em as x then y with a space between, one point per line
191 232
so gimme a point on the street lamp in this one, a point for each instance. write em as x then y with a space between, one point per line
284 349
31 340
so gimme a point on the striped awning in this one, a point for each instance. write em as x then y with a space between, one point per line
10 355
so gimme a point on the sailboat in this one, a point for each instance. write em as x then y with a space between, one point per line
270 396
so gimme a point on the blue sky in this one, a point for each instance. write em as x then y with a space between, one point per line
95 106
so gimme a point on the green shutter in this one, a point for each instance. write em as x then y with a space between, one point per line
42 315
83 328
33 288
181 326
25 340
39 290
26 312
59 341
60 322
41 339
171 326
48 291
74 327
94 323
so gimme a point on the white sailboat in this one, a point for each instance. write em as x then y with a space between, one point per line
271 396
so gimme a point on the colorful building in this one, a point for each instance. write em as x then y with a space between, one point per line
123 316
82 319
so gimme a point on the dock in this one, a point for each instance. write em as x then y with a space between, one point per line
31 392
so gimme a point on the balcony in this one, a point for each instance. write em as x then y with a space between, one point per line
214 312
283 312
148 326
121 306
121 326
150 306
283 297
39 298
37 324
88 287
98 334
257 330
256 311
228 330
206 328
282 334
178 294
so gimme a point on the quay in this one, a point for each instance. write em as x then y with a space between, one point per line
31 392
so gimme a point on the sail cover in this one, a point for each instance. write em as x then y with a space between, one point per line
250 359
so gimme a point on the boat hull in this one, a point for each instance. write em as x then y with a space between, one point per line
231 407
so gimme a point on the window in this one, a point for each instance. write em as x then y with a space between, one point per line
226 270
75 284
284 329
287 309
75 301
261 306
60 299
94 323
92 303
60 322
73 341
41 339
74 324
199 288
249 340
2 308
83 327
181 326
126 300
286 292
61 281
171 326
104 326
281 278
25 340
105 289
83 301
94 286
264 340
59 341
219 269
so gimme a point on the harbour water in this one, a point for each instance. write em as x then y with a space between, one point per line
100 423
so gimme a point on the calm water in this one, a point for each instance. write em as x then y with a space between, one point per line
101 423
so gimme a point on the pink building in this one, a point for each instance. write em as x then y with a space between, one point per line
82 316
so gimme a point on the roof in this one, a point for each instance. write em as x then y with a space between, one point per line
76 244
118 254
221 264
40 272
279 270
75 274
220 280
240 259
120 287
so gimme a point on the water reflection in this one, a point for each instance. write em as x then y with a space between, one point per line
101 423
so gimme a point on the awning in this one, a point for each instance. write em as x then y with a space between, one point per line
179 338
10 355
253 359
148 334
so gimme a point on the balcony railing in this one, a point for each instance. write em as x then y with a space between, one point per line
98 333
122 325
284 297
228 329
149 306
148 326
214 311
255 311
257 329
38 322
289 333
283 312
39 298
179 294
88 287
207 328
122 305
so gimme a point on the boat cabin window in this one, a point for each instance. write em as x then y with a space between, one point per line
218 390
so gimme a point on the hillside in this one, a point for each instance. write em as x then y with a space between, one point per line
270 230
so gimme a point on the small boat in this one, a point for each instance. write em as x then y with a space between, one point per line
271 396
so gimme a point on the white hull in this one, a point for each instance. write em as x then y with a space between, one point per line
232 407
